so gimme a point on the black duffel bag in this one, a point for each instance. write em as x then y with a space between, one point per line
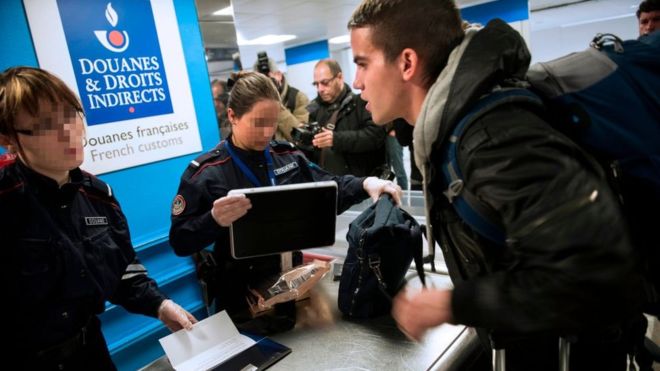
382 242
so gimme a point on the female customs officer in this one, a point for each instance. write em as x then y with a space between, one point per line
65 242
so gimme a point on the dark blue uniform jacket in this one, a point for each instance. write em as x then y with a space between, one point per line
64 252
212 176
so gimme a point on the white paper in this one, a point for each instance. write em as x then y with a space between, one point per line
210 342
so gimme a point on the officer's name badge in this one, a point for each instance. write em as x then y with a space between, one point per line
96 220
285 168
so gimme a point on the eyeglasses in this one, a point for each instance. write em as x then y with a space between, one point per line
48 124
324 82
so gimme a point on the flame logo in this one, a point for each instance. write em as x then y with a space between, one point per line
114 40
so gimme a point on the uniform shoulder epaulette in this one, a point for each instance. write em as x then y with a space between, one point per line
97 185
8 183
281 145
7 159
203 158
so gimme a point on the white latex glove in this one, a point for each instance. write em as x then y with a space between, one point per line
375 187
175 317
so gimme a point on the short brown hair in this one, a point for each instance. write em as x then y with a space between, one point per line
23 88
332 64
249 88
430 27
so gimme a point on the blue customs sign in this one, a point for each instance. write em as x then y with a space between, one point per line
116 59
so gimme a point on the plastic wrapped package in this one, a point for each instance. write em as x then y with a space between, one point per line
293 284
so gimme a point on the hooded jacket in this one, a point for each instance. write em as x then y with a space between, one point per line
568 267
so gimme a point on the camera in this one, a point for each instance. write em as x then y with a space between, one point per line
262 63
302 136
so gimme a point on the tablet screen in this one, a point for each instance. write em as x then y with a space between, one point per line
285 218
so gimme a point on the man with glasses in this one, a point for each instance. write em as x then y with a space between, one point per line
349 141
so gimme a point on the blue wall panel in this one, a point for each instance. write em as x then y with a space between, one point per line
308 52
15 37
507 10
145 192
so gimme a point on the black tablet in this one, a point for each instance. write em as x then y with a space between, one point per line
285 218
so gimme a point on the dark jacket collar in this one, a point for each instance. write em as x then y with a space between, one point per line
47 188
247 155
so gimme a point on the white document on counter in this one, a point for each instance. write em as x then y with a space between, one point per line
210 342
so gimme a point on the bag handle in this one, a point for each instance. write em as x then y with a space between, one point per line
384 208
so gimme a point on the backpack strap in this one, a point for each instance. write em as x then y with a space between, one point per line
479 216
291 98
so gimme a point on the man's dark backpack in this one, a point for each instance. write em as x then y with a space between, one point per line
382 242
607 100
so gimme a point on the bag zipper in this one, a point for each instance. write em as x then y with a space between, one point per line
361 263
556 213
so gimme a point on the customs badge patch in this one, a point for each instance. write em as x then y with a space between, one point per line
178 205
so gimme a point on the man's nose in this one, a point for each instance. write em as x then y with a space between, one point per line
357 84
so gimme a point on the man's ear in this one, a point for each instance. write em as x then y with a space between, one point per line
409 64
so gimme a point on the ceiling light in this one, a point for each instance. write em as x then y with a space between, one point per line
340 39
266 40
225 11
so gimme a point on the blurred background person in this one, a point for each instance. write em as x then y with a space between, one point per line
220 97
648 16
293 112
395 157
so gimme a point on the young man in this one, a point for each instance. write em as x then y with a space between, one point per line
567 270
648 15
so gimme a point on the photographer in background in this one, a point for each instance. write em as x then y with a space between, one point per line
346 140
293 112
